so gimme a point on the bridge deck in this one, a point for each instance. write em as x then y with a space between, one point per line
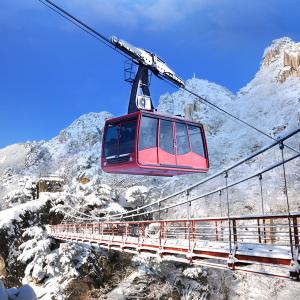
239 243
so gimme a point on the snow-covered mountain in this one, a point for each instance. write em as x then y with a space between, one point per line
268 102
271 102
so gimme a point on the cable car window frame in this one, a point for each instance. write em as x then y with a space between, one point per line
164 140
202 152
186 143
119 125
133 141
110 126
154 141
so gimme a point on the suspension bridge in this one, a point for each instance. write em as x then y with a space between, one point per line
263 243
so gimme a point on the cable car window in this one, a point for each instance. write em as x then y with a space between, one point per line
111 140
148 133
196 140
127 137
182 139
166 142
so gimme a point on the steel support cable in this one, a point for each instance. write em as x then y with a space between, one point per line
189 205
90 217
87 29
72 216
262 207
217 190
58 208
261 194
75 21
108 43
189 216
218 108
159 208
81 213
226 113
221 212
242 161
220 203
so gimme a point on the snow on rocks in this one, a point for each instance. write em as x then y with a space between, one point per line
136 196
65 270
7 216
190 282
35 250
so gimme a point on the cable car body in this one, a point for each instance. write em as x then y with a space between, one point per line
144 142
148 143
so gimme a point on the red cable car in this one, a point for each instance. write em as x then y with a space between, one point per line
147 143
144 142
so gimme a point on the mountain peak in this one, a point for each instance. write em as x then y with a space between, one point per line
284 56
84 127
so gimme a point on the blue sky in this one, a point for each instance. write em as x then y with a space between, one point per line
51 72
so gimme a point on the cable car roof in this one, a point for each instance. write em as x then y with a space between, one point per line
151 114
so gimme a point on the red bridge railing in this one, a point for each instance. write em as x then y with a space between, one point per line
252 243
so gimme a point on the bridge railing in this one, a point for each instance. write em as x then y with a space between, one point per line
232 234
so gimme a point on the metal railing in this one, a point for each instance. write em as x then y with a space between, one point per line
262 239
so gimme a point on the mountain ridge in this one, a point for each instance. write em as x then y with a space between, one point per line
269 104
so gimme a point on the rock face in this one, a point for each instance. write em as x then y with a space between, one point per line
11 238
286 53
291 66
2 267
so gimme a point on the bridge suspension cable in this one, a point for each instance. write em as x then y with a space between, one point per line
72 216
191 187
205 194
89 218
140 210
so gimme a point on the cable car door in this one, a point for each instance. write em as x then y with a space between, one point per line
166 149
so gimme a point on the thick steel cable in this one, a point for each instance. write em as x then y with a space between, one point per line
74 20
220 203
72 216
228 211
108 43
87 29
233 116
81 213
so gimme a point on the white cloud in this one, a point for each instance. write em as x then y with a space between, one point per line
157 14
